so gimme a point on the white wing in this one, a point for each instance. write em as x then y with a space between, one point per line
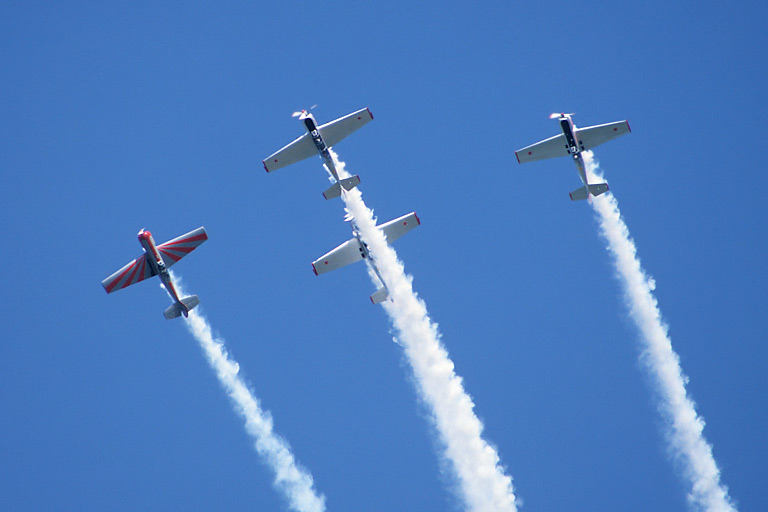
335 131
396 228
351 251
298 150
549 148
595 135
348 252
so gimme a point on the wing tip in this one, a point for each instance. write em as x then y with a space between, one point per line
418 221
314 269
517 156
628 127
264 162
369 112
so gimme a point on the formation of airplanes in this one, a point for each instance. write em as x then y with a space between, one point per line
318 140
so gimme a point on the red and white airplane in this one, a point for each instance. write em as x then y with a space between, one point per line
155 261
573 141
318 140
355 249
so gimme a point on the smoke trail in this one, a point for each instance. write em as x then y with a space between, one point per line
684 434
484 486
294 481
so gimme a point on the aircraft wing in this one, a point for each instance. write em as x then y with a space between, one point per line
335 131
173 250
296 151
595 135
137 270
346 253
549 148
396 228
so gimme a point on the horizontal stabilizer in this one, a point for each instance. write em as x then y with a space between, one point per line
595 189
579 194
335 189
176 310
598 188
380 296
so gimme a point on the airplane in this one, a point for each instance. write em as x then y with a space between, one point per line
355 249
319 139
155 261
573 141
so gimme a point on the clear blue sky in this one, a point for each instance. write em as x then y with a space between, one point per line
134 115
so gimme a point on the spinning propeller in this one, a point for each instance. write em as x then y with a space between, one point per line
302 112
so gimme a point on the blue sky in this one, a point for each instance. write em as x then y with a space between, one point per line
133 115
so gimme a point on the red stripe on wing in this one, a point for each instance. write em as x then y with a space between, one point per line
172 255
121 281
197 238
139 272
111 286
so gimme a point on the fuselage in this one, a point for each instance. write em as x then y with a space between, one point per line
155 260
366 254
574 147
311 125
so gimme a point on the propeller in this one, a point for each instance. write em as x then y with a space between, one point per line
297 114
555 115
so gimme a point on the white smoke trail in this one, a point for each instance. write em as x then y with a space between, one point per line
684 434
484 486
294 481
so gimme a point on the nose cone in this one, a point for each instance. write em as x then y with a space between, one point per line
144 235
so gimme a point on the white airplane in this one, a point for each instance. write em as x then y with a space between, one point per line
572 142
155 261
355 249
317 140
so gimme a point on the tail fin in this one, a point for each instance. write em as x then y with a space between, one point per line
187 305
335 189
595 189
380 296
